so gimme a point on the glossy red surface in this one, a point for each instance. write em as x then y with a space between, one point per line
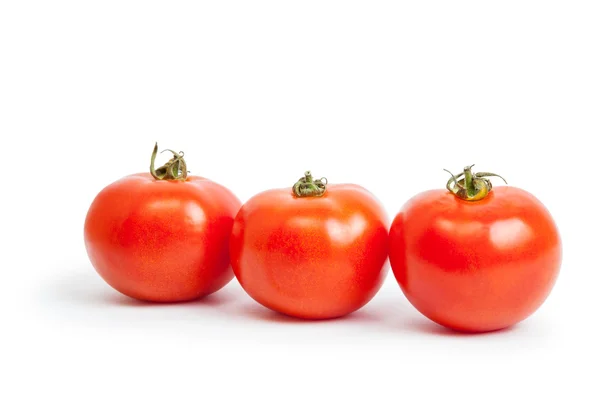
314 257
162 241
475 266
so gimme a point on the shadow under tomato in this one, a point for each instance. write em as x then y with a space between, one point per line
396 315
213 300
85 288
260 313
426 326
388 311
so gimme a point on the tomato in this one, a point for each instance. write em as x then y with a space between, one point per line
162 236
314 251
472 258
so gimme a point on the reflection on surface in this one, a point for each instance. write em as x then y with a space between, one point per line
300 221
163 204
194 213
460 228
348 231
502 234
509 232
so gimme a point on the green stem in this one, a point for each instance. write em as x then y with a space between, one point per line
472 187
309 187
174 169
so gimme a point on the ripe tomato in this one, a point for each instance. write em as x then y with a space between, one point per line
312 252
472 258
162 236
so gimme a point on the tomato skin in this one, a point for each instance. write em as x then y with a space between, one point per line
475 266
311 257
162 241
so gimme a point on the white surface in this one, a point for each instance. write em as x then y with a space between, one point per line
383 94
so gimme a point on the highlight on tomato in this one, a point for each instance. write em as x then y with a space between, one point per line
313 251
162 236
475 259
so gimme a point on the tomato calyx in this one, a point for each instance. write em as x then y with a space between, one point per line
472 187
174 169
309 187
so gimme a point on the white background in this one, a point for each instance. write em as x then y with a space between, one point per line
383 94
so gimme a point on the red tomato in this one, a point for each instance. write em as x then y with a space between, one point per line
312 252
475 260
162 238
